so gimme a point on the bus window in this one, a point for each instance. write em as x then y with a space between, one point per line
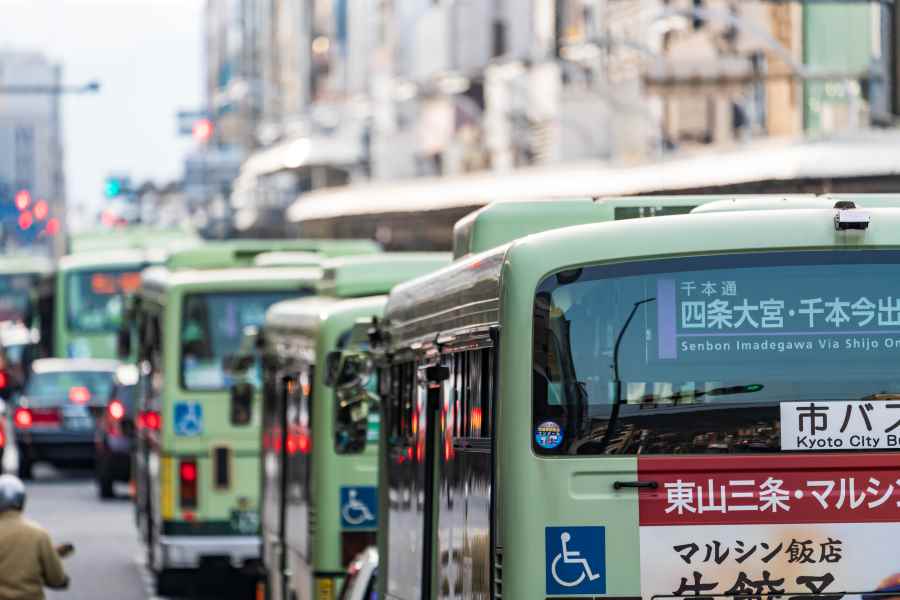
695 355
15 297
95 299
211 330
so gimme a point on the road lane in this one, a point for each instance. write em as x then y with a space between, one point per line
105 562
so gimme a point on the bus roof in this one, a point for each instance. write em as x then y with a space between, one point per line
15 264
308 316
466 294
101 259
742 203
502 222
161 279
242 253
377 273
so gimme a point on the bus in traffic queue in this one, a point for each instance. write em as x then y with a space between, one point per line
197 456
675 406
26 298
319 504
89 301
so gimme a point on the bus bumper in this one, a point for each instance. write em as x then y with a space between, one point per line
188 552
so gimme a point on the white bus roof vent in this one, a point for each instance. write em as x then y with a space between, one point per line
848 217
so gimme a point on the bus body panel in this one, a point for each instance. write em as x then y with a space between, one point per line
314 528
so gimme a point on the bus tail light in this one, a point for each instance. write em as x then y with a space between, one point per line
354 542
149 419
187 479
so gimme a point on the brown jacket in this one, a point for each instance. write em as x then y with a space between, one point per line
28 560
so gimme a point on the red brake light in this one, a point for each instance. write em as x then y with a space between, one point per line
4 380
187 474
79 395
116 410
23 418
189 471
149 419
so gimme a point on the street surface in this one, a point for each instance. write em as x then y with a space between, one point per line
106 563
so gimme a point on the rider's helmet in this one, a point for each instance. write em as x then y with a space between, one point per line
12 493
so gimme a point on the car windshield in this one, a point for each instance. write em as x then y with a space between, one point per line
95 298
211 330
61 387
15 296
700 352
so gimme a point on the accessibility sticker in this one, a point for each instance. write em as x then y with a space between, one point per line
188 421
575 560
359 507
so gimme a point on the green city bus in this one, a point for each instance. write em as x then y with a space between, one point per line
90 292
319 496
691 405
197 455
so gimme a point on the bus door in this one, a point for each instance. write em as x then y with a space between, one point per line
412 439
463 557
298 511
274 482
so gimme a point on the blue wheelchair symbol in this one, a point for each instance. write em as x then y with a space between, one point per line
576 560
188 420
359 507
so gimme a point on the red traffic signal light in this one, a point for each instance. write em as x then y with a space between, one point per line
203 130
52 227
26 220
23 199
41 210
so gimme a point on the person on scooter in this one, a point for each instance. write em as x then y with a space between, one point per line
28 560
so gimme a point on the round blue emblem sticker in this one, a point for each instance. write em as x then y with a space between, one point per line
548 435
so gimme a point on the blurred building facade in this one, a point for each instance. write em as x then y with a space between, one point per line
323 92
31 148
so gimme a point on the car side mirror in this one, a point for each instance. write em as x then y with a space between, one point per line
242 403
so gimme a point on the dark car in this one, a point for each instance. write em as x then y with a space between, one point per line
114 435
56 414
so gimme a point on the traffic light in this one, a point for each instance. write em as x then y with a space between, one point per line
203 130
26 220
52 227
113 187
23 199
41 210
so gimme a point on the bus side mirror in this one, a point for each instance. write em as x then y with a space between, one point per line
332 365
241 403
123 342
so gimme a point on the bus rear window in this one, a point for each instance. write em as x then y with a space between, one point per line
212 328
95 298
697 355
15 296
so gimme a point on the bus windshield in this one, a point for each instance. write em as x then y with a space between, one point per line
697 355
212 328
15 297
95 298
